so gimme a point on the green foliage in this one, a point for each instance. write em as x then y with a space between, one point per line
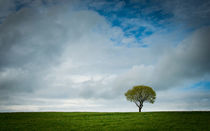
140 94
105 121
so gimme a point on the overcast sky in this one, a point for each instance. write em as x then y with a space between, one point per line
83 55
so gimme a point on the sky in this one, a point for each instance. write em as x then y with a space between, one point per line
83 55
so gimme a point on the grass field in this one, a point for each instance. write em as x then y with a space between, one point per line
105 121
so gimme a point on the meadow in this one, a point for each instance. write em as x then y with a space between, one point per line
105 121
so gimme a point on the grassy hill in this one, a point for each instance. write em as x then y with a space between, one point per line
105 121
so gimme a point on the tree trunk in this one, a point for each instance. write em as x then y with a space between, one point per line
139 109
140 106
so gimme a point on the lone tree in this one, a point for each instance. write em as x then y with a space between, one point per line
140 94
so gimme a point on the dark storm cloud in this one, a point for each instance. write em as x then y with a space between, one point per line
21 42
27 49
32 42
193 13
190 60
28 46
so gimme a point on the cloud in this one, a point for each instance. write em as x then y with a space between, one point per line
188 61
6 7
180 100
32 40
181 65
55 48
172 70
188 13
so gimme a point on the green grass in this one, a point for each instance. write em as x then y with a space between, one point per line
105 121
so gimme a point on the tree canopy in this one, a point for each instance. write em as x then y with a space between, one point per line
140 94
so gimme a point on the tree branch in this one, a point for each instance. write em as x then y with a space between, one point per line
136 104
